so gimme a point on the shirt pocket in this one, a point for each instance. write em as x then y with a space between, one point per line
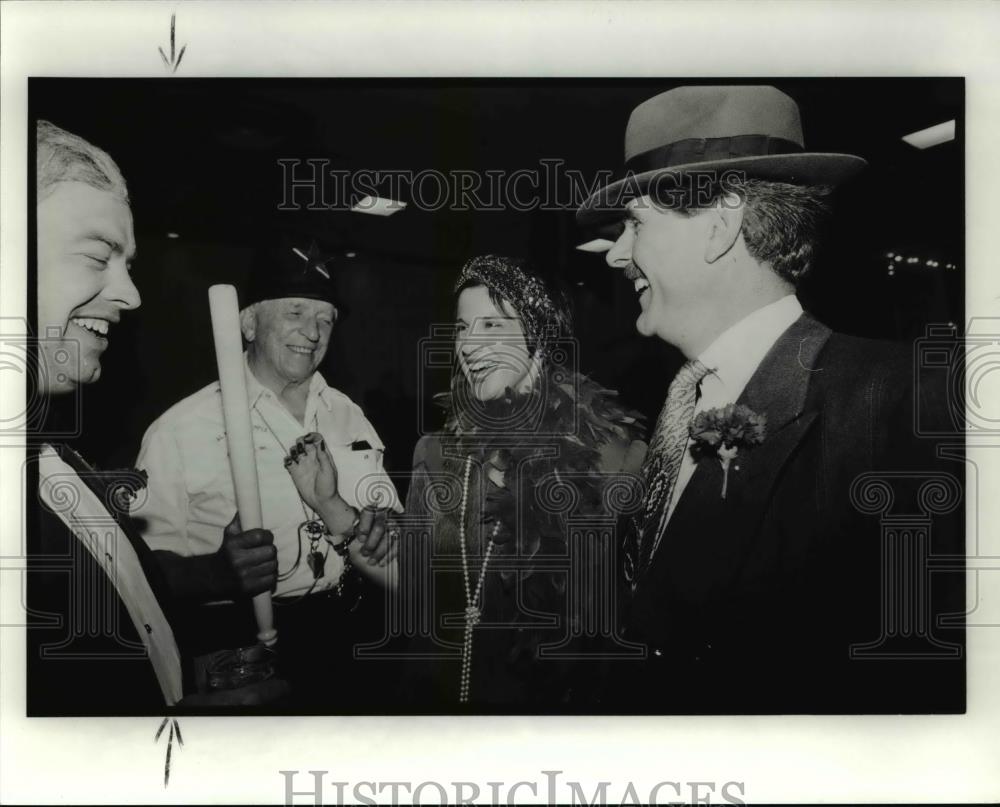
361 481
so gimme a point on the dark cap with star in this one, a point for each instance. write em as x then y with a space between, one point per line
293 267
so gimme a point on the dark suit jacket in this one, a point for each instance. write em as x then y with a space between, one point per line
765 601
84 656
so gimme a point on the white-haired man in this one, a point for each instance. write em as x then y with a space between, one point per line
290 310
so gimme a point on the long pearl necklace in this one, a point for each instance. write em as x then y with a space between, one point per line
472 611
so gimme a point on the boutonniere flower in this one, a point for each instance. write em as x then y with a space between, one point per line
724 431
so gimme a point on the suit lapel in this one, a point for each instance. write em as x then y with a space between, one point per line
101 484
707 536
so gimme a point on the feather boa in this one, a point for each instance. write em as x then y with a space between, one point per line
548 436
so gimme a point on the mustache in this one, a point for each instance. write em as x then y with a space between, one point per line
633 272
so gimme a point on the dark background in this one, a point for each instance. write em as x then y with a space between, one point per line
201 160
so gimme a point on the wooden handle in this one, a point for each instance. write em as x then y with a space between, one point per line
239 435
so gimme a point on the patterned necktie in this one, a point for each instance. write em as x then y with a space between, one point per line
666 451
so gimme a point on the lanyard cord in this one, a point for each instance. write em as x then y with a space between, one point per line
282 576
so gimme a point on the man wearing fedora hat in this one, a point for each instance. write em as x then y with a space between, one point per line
755 576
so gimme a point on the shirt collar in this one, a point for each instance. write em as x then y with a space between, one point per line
738 351
317 386
254 388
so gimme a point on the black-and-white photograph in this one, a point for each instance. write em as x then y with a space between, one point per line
410 383
395 405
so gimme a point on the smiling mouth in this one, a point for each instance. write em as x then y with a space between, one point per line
481 369
96 326
302 351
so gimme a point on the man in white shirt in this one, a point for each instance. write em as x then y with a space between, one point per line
289 314
754 572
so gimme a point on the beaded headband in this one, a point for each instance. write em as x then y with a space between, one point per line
545 319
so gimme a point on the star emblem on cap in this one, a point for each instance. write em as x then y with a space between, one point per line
314 259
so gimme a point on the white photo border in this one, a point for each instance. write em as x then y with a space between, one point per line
779 759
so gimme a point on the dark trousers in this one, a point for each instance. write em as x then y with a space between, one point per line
315 651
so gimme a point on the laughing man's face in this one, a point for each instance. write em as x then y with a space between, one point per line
290 337
85 251
662 253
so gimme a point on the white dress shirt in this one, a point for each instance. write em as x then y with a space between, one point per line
190 497
94 527
732 360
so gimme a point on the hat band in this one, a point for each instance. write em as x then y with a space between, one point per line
709 149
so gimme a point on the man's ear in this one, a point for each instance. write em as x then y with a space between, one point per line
725 223
248 322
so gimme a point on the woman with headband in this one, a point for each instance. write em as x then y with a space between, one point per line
507 567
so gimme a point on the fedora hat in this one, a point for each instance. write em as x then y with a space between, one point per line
755 130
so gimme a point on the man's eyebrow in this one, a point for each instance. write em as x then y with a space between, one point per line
95 235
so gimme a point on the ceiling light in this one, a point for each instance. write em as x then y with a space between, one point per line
932 136
597 245
173 235
378 206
